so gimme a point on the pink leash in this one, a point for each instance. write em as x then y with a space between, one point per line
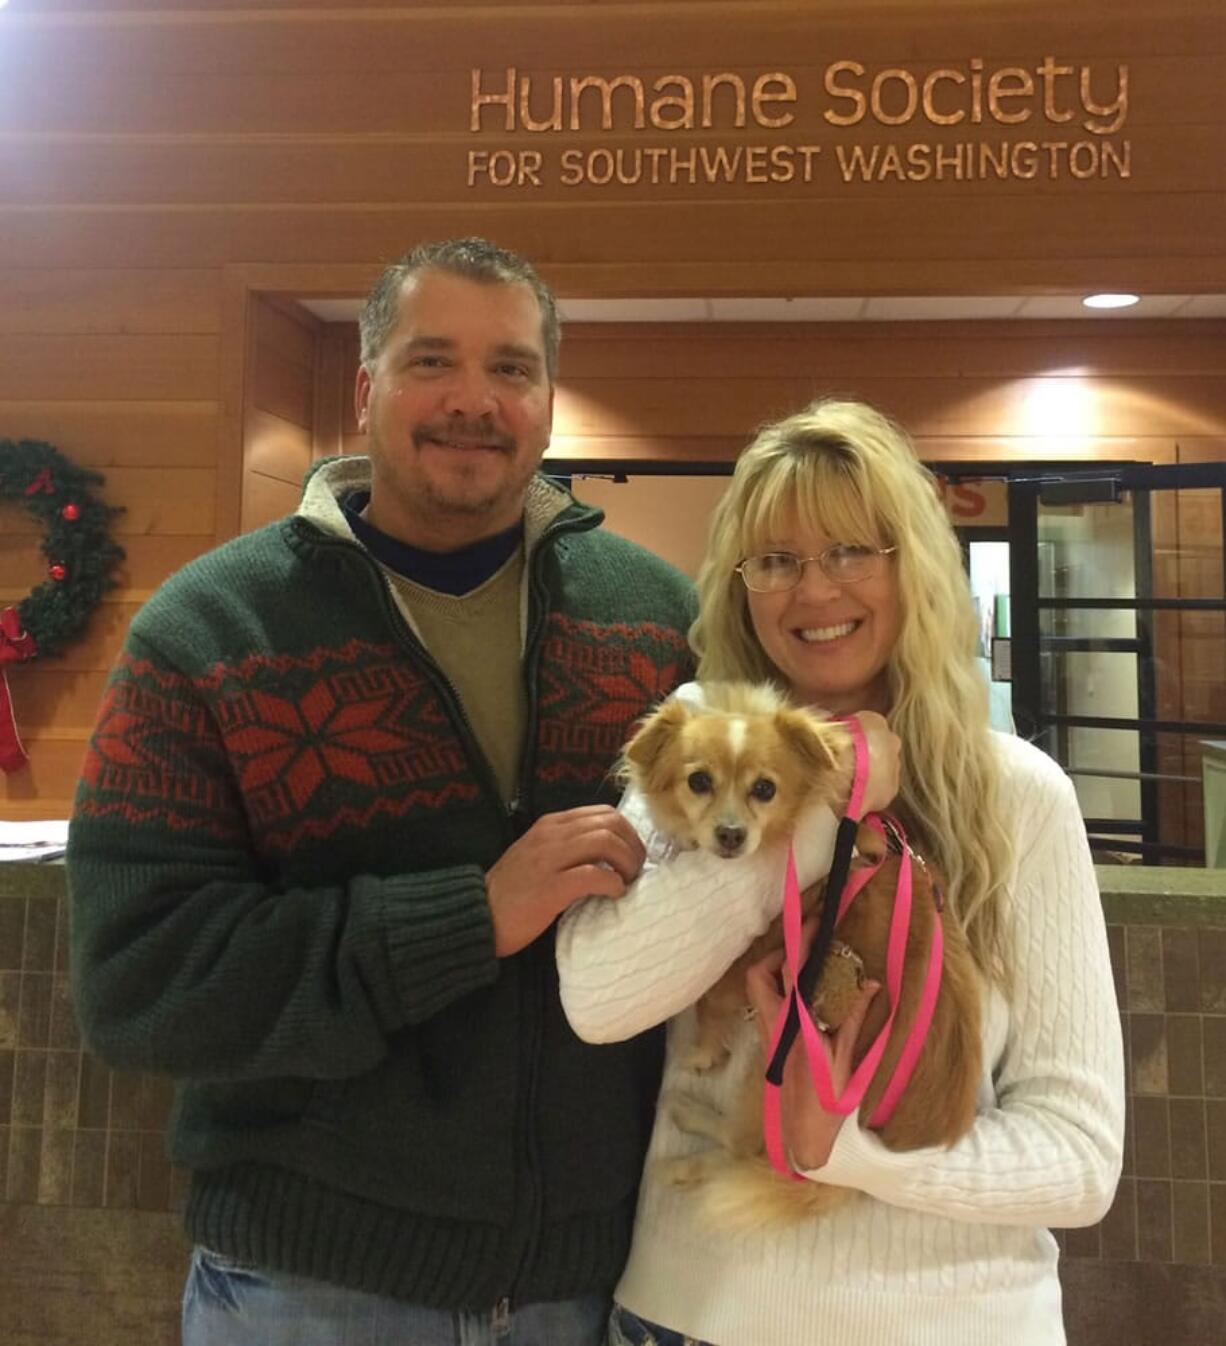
815 1047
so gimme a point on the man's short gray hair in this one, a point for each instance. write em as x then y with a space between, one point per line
474 259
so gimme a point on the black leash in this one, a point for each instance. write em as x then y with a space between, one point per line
844 845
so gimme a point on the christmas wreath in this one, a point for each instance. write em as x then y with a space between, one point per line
80 559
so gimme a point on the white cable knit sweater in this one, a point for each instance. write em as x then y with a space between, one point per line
948 1247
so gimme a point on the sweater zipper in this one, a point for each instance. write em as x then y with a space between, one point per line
533 993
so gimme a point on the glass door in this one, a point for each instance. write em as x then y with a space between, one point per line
1118 647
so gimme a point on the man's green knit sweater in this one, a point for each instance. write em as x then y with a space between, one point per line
277 866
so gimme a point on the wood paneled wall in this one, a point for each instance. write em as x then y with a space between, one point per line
1151 392
279 414
142 133
117 367
323 133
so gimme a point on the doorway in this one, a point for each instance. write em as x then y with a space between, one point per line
1119 644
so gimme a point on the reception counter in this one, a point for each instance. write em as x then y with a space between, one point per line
94 1254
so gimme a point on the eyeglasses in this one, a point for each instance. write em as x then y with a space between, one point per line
843 563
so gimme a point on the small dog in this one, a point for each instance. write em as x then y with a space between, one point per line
737 774
731 777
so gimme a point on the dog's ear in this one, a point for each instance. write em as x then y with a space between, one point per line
654 733
817 742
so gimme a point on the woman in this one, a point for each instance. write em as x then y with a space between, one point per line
832 571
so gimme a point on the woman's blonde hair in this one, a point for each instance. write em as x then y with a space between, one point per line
844 470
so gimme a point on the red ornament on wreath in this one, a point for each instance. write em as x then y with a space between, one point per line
81 556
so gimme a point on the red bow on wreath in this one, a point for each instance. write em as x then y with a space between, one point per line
16 646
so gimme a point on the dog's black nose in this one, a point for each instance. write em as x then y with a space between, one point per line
730 839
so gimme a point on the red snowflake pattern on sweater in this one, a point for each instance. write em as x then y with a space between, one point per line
296 747
596 681
301 744
371 735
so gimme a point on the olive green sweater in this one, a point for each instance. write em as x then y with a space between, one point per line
277 866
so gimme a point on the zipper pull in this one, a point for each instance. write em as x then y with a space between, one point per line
518 820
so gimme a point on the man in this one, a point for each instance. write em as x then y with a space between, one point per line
346 774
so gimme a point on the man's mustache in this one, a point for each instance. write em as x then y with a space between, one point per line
478 433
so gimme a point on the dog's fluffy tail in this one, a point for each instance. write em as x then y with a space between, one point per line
749 1194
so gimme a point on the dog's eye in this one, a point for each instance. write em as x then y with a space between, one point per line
763 789
699 782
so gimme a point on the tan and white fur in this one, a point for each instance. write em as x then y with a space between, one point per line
736 774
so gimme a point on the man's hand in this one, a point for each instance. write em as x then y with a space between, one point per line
559 859
884 761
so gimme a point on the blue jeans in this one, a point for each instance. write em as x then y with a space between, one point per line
228 1304
628 1329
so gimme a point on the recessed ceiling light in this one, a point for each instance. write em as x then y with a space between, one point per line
1111 300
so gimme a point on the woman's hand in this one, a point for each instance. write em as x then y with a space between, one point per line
809 1131
884 761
